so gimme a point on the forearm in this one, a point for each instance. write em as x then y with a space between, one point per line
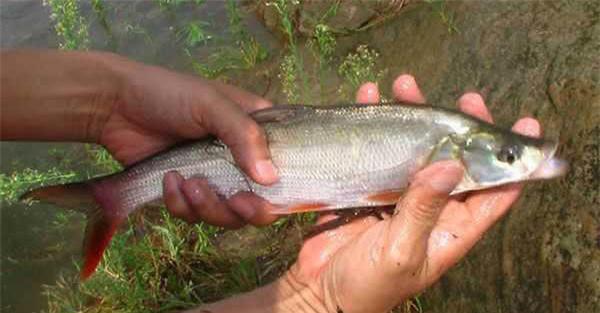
57 96
282 296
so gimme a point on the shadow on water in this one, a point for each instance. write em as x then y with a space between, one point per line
527 58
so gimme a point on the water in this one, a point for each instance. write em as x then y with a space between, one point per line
33 249
526 57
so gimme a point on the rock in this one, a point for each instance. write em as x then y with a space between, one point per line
351 15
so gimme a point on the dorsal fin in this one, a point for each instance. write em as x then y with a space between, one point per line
280 113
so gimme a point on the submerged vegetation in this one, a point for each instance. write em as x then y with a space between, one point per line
14 185
245 53
159 263
70 26
446 16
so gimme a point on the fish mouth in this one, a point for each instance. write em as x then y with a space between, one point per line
551 166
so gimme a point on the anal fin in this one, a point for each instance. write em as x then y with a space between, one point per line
385 197
303 207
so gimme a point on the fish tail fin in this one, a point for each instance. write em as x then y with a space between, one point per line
98 201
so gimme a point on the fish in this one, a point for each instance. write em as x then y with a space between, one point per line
327 157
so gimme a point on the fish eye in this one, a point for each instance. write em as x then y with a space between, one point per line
508 154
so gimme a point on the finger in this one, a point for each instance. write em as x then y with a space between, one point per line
241 134
472 103
174 199
418 212
252 208
405 89
367 93
206 206
247 100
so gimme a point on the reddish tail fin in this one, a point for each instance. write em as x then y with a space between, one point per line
102 211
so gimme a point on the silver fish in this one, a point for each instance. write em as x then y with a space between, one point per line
327 158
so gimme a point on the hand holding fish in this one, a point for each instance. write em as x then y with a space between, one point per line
134 111
372 265
142 125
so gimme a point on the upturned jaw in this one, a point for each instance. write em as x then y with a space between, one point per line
551 166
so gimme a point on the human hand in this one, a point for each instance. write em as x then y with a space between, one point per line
159 108
371 265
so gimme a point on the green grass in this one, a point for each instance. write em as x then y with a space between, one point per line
70 26
446 16
163 264
173 4
100 10
288 71
194 33
291 70
358 68
245 54
13 185
101 159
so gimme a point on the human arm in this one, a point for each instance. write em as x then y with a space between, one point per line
52 96
135 110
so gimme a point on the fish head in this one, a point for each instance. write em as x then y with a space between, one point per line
493 157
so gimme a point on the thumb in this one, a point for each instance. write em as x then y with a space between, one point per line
418 211
244 137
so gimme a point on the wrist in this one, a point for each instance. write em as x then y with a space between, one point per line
103 101
286 295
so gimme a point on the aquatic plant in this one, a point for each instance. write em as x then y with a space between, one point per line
172 4
69 25
246 53
236 27
100 9
322 44
294 81
447 17
194 33
358 68
137 30
288 71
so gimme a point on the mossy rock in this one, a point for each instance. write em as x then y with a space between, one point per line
350 15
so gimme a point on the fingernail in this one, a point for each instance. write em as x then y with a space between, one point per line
444 176
266 170
531 127
372 95
471 98
405 82
172 180
193 191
